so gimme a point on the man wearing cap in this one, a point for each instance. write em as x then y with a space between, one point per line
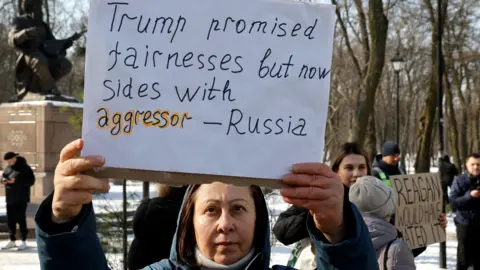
465 200
17 177
387 164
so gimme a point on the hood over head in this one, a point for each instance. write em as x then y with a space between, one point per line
263 252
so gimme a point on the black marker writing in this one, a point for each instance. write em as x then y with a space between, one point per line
169 25
131 90
208 92
267 126
275 28
274 71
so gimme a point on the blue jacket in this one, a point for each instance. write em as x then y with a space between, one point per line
76 245
466 207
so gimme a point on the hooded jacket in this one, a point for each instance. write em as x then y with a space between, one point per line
75 245
448 171
19 191
399 256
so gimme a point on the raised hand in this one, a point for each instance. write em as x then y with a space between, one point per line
316 187
72 189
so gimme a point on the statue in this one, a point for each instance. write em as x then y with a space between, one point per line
42 60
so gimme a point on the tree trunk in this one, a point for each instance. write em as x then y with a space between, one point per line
427 119
378 26
452 122
371 142
405 139
476 131
462 134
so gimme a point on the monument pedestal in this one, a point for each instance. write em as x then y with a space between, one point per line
38 130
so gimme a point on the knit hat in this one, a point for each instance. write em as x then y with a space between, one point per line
9 155
372 196
390 149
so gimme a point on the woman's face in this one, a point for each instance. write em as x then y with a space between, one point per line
352 167
224 222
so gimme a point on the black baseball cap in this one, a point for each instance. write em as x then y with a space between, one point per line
9 155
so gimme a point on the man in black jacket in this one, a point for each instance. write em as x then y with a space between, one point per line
387 164
465 200
18 177
448 171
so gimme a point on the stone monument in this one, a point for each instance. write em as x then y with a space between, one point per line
42 58
35 122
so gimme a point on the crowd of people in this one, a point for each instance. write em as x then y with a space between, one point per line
342 216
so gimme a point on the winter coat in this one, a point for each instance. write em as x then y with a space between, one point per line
75 245
306 259
154 226
399 256
448 171
467 208
19 191
290 225
380 166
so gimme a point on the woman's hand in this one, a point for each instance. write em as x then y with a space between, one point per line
72 189
316 187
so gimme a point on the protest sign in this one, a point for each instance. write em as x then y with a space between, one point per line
213 87
419 205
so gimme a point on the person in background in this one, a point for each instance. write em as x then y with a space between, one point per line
18 177
448 171
465 200
376 201
387 163
220 226
350 163
154 225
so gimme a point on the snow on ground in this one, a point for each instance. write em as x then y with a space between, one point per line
110 200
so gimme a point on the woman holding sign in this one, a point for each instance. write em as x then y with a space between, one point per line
220 226
350 163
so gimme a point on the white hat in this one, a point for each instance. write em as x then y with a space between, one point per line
372 196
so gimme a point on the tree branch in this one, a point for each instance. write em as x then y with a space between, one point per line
347 39
430 10
363 31
347 17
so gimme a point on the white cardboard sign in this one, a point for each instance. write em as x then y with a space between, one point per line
221 87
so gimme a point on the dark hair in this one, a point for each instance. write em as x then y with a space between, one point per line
473 155
350 148
186 232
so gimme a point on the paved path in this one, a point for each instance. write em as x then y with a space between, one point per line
19 260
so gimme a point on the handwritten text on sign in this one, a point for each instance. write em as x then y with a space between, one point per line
419 207
235 88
